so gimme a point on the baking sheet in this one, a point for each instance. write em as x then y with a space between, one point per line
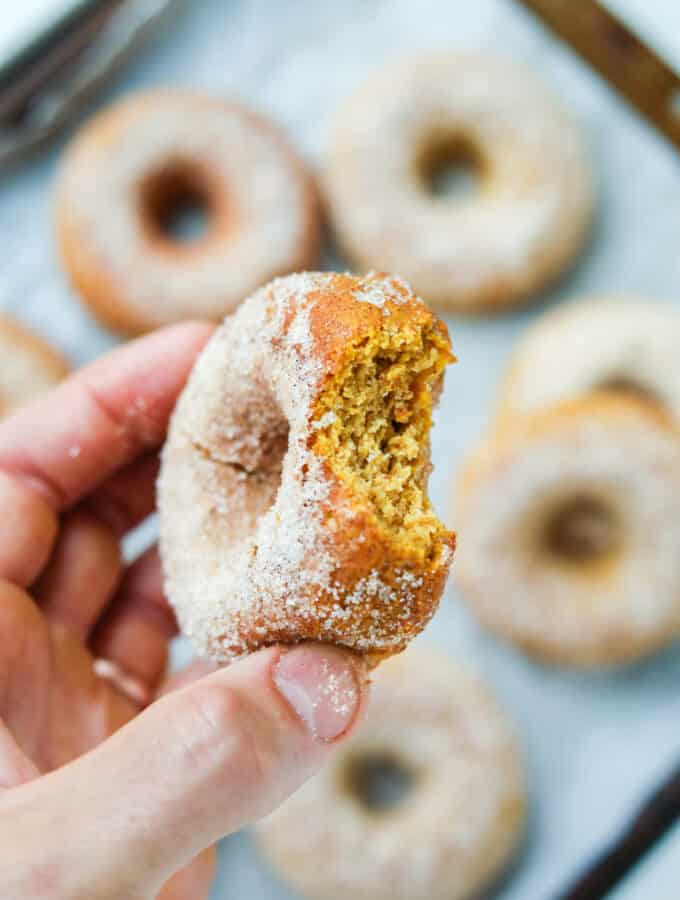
594 744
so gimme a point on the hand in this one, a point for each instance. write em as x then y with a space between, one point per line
104 794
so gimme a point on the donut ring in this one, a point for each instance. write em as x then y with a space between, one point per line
605 343
571 525
435 730
29 366
151 156
495 248
293 485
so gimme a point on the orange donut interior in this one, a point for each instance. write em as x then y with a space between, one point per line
377 413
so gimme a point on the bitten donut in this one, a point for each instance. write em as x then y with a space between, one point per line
426 802
28 365
292 494
492 247
570 524
605 343
142 164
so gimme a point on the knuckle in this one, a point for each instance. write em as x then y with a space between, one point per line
221 734
217 708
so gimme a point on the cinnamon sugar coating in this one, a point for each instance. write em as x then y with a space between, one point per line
485 250
293 487
571 531
28 365
154 156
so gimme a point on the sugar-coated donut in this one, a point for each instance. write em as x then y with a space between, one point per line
29 365
151 156
489 249
426 802
604 343
292 494
570 523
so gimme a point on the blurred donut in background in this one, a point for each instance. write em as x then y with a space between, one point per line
465 174
569 524
29 365
603 343
172 205
426 802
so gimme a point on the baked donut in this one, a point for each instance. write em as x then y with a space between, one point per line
571 529
138 167
292 496
489 249
29 365
605 343
426 802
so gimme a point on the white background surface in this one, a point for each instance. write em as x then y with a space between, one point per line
594 744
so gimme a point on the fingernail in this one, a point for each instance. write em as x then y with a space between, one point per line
324 687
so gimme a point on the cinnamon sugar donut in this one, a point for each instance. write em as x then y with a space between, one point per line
571 528
29 365
425 802
604 343
139 166
489 249
292 494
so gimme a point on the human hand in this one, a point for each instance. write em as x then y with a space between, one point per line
106 791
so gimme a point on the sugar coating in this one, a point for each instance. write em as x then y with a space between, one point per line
249 165
523 225
457 827
247 543
28 366
591 342
612 449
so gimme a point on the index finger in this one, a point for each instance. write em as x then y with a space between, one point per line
71 439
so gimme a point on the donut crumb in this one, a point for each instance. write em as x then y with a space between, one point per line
373 422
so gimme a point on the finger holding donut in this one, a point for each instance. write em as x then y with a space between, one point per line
427 801
292 495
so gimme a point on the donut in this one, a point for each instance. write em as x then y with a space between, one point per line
482 250
293 489
602 343
571 528
29 365
425 802
142 168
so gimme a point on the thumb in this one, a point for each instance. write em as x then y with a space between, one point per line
196 765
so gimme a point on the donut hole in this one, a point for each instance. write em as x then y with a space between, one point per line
176 204
450 168
629 387
379 782
379 413
582 529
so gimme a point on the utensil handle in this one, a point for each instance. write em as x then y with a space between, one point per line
639 74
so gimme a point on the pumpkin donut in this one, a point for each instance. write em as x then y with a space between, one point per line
571 528
29 365
605 343
425 802
138 166
489 249
292 493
